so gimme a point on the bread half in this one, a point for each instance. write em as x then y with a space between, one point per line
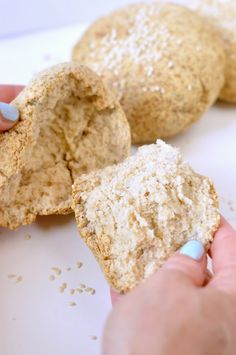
69 124
135 215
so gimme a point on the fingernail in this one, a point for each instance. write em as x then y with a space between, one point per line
9 112
194 249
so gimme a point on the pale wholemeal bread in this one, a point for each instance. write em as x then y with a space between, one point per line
134 215
164 63
69 124
222 14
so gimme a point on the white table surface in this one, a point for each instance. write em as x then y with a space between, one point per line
35 318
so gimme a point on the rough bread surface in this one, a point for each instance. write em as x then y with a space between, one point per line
164 62
69 124
222 15
134 215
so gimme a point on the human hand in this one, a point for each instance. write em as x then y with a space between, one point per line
8 113
172 312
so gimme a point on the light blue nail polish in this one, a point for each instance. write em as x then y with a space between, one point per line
9 112
194 249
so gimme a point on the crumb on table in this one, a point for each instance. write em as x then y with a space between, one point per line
79 264
63 287
27 237
93 337
19 279
72 304
56 270
72 291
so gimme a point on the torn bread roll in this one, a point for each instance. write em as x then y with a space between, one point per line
69 124
135 215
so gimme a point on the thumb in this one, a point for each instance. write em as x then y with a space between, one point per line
189 264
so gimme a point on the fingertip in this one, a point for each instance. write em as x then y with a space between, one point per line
223 251
225 228
193 249
9 115
190 262
224 241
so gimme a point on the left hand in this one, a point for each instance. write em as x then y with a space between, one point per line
8 113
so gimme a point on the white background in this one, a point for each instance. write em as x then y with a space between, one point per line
20 16
35 318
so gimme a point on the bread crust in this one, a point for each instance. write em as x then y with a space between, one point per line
135 215
164 63
222 15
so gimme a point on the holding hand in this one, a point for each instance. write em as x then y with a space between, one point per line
175 312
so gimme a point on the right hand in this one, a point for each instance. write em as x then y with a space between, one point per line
174 312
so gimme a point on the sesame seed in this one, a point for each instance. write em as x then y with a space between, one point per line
144 42
51 277
79 264
19 279
63 287
72 304
56 270
155 88
149 71
179 41
88 289
82 286
113 34
27 237
162 90
93 337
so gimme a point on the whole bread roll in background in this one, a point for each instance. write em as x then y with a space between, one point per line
222 15
164 63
